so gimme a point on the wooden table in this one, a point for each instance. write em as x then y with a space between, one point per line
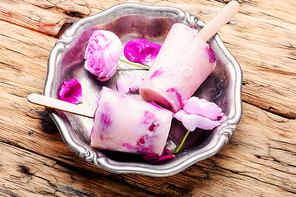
259 159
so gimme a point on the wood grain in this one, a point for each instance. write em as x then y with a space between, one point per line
259 159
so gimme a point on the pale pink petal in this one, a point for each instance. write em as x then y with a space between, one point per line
211 111
136 84
108 73
190 122
192 105
128 81
180 114
207 124
202 107
123 83
200 113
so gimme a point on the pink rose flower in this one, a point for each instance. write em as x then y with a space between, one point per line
102 54
128 82
200 113
141 51
71 91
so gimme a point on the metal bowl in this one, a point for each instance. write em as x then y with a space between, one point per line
131 21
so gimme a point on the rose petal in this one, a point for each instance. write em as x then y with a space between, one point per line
207 124
212 57
180 114
71 91
202 107
123 83
211 111
200 113
136 84
192 105
190 122
141 51
152 158
162 158
128 81
166 151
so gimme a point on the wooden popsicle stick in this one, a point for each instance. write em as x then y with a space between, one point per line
60 105
219 20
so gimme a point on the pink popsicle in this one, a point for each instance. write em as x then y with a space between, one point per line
183 63
126 124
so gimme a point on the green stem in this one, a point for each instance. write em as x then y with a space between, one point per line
182 142
134 64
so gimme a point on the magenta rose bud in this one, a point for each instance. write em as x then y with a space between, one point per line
102 54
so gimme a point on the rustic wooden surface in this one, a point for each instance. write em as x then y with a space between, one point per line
259 159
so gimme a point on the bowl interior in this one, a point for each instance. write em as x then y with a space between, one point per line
130 21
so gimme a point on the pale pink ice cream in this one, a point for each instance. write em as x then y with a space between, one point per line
126 124
182 65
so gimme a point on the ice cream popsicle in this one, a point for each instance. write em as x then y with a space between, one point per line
184 62
121 122
126 124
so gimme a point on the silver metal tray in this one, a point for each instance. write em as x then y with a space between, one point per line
131 21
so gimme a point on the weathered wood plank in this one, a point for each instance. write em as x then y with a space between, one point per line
23 129
42 16
24 173
259 159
